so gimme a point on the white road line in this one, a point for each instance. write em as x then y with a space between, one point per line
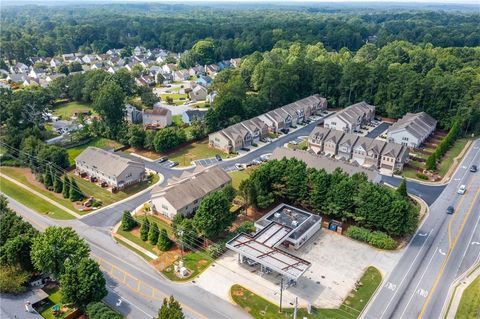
408 271
470 164
419 282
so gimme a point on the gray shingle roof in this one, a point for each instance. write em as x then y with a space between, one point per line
417 124
193 186
322 162
107 162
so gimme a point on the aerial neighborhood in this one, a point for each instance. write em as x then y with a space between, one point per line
230 161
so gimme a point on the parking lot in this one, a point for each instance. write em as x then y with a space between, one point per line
377 131
337 263
206 162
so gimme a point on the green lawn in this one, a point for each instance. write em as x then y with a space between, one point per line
73 152
137 240
66 110
36 203
138 252
174 96
55 298
197 262
194 151
351 308
470 303
239 176
447 160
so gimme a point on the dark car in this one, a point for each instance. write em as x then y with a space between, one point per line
473 169
218 157
246 149
162 159
285 130
450 210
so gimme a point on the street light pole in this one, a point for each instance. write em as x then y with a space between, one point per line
281 293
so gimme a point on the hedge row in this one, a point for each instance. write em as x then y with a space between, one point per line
99 310
376 238
443 147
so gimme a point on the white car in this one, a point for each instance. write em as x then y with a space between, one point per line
239 166
462 189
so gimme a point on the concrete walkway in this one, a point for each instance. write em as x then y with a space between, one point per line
51 201
456 291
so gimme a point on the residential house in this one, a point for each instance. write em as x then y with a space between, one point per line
394 156
360 149
132 114
205 80
115 170
231 139
36 73
351 118
257 128
236 62
212 69
169 68
19 68
275 121
49 78
211 97
326 163
54 63
199 93
374 153
291 113
186 193
345 147
158 117
317 138
412 129
181 75
331 142
69 57
190 115
17 78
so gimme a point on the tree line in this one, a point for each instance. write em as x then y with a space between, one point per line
347 198
46 31
398 78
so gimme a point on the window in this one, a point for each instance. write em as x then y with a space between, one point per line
404 138
165 207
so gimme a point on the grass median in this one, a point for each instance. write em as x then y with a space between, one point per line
470 303
36 203
351 308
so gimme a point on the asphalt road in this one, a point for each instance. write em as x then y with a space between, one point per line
129 278
442 249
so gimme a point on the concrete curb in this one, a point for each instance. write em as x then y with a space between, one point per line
374 295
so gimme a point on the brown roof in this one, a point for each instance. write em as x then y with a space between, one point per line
157 111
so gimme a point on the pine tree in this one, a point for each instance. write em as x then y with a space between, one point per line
431 163
128 222
164 242
402 188
57 184
145 229
66 186
170 309
75 193
153 233
47 179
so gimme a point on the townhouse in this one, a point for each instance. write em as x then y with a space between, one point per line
350 119
110 168
412 129
364 151
185 194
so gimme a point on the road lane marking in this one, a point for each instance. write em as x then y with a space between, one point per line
472 243
390 286
457 208
444 264
419 282
475 242
441 252
408 271
422 235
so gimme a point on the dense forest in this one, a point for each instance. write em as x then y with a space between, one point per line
398 78
46 31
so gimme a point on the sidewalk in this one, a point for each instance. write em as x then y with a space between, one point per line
455 292
51 201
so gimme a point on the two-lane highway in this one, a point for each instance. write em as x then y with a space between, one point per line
438 253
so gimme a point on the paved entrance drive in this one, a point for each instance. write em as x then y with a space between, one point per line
337 263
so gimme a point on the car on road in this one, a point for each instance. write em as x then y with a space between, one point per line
162 159
239 166
462 189
450 210
473 168
218 157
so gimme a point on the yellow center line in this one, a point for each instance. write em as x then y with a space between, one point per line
444 264
454 216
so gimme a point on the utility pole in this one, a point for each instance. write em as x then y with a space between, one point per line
295 309
180 233
281 293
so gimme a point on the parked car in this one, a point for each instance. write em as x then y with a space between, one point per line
246 149
462 189
256 162
218 157
173 164
473 168
239 166
162 159
285 130
294 142
450 210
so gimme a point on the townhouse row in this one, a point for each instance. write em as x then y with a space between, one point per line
386 156
246 133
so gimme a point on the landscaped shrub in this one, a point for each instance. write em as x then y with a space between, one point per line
98 310
377 238
422 176
215 250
